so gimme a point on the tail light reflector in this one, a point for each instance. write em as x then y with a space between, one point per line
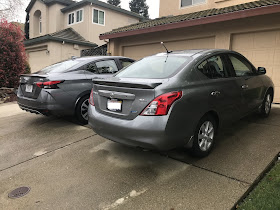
91 98
161 105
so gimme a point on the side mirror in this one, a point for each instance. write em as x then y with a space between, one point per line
261 70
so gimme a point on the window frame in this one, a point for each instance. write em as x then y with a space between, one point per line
225 61
72 18
99 10
181 7
241 58
79 10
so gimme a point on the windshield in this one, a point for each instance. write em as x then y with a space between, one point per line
154 67
59 67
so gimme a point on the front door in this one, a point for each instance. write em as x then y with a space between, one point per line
248 80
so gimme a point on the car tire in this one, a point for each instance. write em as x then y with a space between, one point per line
82 110
266 104
204 136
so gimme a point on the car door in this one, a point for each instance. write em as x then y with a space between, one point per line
248 81
220 88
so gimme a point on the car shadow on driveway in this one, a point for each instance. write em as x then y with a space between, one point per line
243 150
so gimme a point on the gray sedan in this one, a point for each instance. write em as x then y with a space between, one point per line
178 99
64 88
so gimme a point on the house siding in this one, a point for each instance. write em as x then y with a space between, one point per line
173 7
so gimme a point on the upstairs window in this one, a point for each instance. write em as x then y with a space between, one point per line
71 18
185 3
98 17
79 16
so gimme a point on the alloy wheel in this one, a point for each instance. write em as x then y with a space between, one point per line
84 109
206 136
267 105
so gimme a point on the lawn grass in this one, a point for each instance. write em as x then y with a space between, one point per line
266 195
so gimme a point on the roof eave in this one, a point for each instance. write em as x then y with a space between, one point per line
50 38
100 4
201 21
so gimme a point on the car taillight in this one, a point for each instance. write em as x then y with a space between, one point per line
91 98
49 84
162 104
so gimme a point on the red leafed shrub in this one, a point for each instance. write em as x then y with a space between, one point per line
12 54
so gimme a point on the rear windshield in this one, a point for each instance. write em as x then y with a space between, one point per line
155 67
59 67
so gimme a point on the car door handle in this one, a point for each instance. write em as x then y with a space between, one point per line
244 86
215 93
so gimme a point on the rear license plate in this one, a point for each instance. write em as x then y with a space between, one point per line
114 105
28 88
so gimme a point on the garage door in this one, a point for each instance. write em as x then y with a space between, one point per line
262 49
38 60
139 51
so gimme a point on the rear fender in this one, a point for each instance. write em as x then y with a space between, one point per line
87 92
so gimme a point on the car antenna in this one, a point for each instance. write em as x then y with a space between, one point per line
166 48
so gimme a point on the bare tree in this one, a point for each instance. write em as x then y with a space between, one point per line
9 9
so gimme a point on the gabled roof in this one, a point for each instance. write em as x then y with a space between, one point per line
101 4
197 18
68 35
49 2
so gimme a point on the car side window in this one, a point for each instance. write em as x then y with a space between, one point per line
91 67
126 62
213 68
106 67
240 66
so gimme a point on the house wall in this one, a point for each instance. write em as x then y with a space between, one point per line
34 24
173 7
91 31
257 38
55 18
45 54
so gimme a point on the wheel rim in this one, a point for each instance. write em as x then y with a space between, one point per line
206 136
267 104
84 109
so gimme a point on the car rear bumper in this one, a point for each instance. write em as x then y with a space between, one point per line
45 104
144 131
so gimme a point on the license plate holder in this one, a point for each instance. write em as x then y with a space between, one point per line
28 88
114 105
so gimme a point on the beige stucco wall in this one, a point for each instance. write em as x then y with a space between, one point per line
173 7
34 28
45 54
91 31
257 38
55 18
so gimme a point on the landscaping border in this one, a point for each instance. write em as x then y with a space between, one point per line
257 181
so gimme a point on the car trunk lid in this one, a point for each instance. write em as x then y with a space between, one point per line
28 85
123 98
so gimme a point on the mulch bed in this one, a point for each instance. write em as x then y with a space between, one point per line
7 95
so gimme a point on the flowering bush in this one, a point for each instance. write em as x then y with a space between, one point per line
12 54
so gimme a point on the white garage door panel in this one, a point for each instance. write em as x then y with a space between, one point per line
262 49
139 51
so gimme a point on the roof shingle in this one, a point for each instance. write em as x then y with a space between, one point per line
193 16
68 35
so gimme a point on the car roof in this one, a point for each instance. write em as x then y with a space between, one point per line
196 52
93 58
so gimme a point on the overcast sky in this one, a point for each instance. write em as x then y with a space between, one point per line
153 8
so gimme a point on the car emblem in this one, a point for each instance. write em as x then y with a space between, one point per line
112 95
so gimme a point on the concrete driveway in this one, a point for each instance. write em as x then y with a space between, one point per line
70 167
